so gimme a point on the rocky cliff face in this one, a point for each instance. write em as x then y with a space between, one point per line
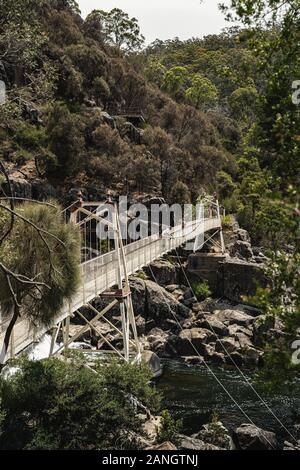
172 323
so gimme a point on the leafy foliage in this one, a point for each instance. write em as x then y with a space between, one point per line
277 51
202 92
281 300
118 28
46 250
170 428
202 290
65 106
53 404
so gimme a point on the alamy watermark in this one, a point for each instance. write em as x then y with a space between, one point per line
296 354
2 92
296 344
139 221
296 94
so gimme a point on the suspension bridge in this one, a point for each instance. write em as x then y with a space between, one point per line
100 273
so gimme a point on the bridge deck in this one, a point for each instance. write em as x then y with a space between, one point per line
100 274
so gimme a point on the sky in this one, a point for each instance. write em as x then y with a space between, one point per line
166 19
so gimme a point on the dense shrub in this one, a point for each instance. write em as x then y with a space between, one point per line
53 404
202 290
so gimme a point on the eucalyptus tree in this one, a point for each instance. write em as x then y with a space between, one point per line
276 42
202 93
39 263
117 28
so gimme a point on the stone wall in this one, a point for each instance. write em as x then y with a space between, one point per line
239 279
205 267
228 277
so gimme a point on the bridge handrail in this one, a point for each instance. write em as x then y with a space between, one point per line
147 240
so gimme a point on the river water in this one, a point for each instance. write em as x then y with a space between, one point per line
193 394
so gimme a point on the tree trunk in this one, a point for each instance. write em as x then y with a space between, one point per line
7 336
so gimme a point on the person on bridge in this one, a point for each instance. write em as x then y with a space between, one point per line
78 203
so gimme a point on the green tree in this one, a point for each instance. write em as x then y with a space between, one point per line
89 60
226 185
170 428
243 103
281 301
155 72
277 50
24 65
39 263
65 130
202 93
118 28
180 193
175 80
101 90
159 144
53 404
202 290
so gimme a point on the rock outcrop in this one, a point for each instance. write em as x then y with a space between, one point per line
165 446
216 434
154 306
191 443
165 272
222 336
250 437
240 279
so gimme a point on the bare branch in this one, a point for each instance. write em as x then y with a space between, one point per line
24 199
23 279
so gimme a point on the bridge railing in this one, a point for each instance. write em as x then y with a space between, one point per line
147 249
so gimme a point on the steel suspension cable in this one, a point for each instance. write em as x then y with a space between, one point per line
207 365
235 364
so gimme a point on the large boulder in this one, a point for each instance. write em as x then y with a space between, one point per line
153 305
230 317
235 358
243 340
216 434
249 310
74 330
165 272
250 437
253 357
20 186
191 443
242 235
261 328
228 345
238 244
165 446
160 343
193 341
161 307
153 362
192 360
241 249
291 446
236 329
211 323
